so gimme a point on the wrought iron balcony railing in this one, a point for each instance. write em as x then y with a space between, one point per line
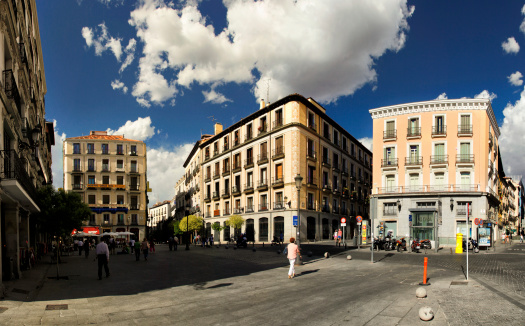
13 168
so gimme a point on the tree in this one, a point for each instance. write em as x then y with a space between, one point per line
218 227
235 221
190 223
60 211
174 225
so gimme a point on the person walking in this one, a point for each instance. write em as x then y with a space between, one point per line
281 238
170 243
86 248
175 242
145 248
132 244
339 236
293 251
137 249
152 245
80 247
335 237
103 258
211 240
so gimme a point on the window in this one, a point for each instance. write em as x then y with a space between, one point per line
120 199
76 148
311 120
310 175
414 182
92 219
465 124
465 180
464 152
390 129
91 164
105 165
119 150
249 132
279 172
90 148
249 179
120 180
423 225
91 179
426 204
390 183
92 199
120 219
278 118
105 199
134 166
263 151
345 146
389 209
326 130
249 156
105 149
439 125
133 150
439 153
390 156
134 219
439 181
249 204
120 164
279 148
262 125
236 139
462 208
310 148
279 201
336 137
413 127
414 154
264 202
325 179
311 201
134 202
263 179
76 164
105 179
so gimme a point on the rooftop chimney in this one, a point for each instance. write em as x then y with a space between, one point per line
262 104
98 133
218 128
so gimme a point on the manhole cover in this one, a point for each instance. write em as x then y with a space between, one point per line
458 283
56 307
20 291
2 309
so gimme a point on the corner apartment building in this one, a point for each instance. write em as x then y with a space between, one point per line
27 138
109 173
249 169
432 159
159 213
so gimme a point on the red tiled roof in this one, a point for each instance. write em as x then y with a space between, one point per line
105 137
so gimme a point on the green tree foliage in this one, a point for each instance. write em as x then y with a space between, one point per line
190 223
174 225
235 221
60 211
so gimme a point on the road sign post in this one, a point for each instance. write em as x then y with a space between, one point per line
343 225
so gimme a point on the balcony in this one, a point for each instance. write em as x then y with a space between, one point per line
236 141
310 207
236 167
216 153
77 169
11 89
216 174
225 193
134 207
311 125
78 186
335 210
107 223
462 210
226 171
131 153
225 147
439 159
439 131
278 205
465 159
326 134
207 178
326 187
389 162
325 209
248 187
430 188
311 182
207 215
248 163
207 156
248 137
226 211
217 212
413 160
263 128
262 158
249 209
237 210
413 132
344 171
262 185
389 135
207 198
216 195
311 155
465 130
278 182
278 153
105 167
336 191
335 166
132 187
352 175
277 123
133 171
263 207
336 142
236 190
326 161
91 169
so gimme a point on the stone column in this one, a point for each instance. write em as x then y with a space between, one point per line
12 220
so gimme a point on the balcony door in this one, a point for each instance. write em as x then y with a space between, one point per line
465 181
414 154
390 183
390 154
464 151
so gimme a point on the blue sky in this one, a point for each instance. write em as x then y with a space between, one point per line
156 70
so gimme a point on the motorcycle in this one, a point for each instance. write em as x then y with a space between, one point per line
426 244
241 242
388 244
401 244
416 245
472 245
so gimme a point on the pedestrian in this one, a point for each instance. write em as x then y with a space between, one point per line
136 244
152 245
175 242
521 236
339 236
335 237
170 243
281 237
293 251
145 247
211 240
80 247
86 248
112 245
132 244
103 258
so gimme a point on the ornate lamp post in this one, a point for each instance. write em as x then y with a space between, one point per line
298 183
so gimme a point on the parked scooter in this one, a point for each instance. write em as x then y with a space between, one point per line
416 245
389 244
426 244
401 244
472 245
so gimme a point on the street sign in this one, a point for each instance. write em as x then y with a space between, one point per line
410 224
343 224
410 217
358 223
359 219
295 220
343 220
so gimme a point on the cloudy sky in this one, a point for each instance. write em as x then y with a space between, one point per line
162 71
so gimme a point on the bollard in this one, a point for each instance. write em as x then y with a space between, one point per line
425 273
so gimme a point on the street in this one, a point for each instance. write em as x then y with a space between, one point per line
218 286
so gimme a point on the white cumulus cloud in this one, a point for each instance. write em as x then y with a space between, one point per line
515 79
512 139
214 97
522 26
323 49
102 41
140 129
165 169
486 94
511 46
442 96
57 168
367 142
117 84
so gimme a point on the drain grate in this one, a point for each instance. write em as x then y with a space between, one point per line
20 291
56 307
458 283
2 309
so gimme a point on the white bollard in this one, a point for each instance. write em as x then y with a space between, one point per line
349 257
327 255
421 293
426 313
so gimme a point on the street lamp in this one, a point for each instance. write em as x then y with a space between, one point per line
298 182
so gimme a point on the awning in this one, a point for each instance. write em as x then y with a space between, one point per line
88 229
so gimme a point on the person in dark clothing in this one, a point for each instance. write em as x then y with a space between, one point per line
86 248
102 251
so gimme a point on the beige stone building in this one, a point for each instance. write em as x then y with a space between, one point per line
109 173
432 160
159 213
26 137
249 169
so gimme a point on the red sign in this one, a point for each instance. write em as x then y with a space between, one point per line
343 220
359 219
